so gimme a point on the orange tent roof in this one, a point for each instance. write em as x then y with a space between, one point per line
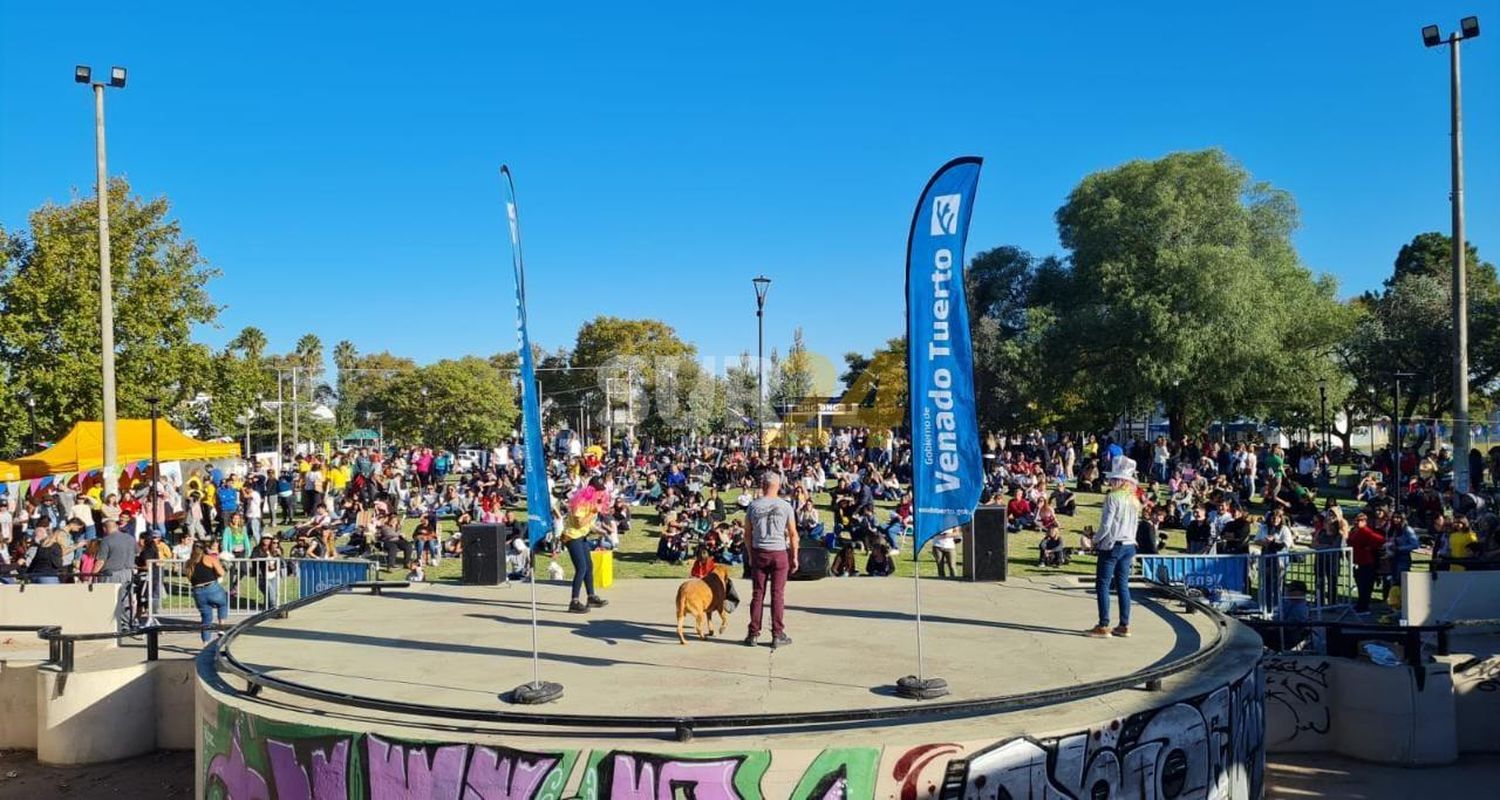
83 448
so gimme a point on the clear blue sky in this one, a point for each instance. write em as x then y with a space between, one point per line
338 162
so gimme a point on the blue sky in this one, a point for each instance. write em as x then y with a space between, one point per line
339 162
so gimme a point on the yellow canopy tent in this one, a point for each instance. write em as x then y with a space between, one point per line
83 448
9 472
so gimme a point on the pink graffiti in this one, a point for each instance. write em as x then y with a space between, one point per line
329 778
508 777
241 782
648 778
396 774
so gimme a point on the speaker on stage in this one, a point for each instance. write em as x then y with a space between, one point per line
484 554
812 563
985 545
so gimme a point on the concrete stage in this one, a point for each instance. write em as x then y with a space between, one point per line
460 647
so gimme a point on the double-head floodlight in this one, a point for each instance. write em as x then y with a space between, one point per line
1468 28
82 74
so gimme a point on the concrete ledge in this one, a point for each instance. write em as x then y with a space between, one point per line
89 717
75 607
18 697
1318 703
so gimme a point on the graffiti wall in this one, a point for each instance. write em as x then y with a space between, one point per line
1299 703
1210 747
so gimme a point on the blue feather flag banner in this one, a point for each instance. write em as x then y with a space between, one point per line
538 498
947 469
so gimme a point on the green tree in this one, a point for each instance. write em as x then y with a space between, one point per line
855 365
49 310
1183 288
660 367
1407 326
449 403
880 392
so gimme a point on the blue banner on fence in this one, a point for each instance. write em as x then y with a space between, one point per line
317 575
947 470
1230 572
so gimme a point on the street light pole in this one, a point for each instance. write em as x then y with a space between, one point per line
156 521
1396 433
106 293
762 285
1323 411
1468 29
31 419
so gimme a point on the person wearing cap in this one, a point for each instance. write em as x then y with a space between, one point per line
771 550
1114 544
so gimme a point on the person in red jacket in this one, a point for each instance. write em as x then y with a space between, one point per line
1367 544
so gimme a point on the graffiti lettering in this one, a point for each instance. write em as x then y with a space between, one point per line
1484 674
1208 748
329 770
638 776
1298 689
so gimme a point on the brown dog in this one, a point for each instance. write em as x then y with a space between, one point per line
702 597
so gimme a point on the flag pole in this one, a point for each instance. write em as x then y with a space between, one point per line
538 499
946 464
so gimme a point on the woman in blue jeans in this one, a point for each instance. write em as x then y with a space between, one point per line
203 571
583 512
1114 543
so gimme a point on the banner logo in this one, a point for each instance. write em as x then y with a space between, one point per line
945 214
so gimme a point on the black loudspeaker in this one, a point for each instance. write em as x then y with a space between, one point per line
484 555
812 564
985 545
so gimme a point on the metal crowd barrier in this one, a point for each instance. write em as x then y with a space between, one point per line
1326 576
254 585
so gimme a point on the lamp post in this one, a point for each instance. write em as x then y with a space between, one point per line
1468 28
1323 410
84 75
155 467
31 420
1396 431
762 285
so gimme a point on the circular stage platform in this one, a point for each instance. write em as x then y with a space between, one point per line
396 694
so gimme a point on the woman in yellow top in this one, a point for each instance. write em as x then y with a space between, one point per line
583 510
1462 541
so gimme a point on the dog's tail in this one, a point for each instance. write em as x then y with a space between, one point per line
681 610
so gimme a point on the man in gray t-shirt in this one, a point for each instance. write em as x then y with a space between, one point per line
771 550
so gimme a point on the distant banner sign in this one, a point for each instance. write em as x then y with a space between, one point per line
1230 572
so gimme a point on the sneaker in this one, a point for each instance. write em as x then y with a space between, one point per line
1099 632
751 640
781 641
1123 632
596 601
578 607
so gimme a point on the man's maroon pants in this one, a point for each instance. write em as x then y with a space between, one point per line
773 565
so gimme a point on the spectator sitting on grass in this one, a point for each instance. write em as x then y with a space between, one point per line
1019 512
879 563
1053 553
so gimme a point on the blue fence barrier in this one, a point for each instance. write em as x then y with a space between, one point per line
1231 573
317 575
